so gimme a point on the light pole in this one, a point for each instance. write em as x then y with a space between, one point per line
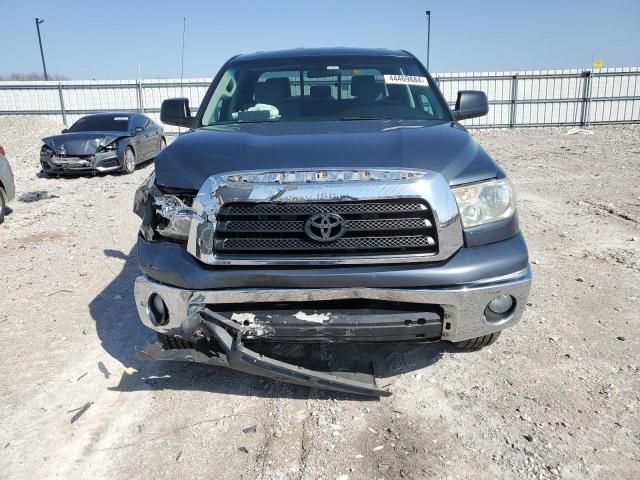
428 36
44 66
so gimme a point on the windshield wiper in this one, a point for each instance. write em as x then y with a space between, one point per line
345 119
235 122
252 121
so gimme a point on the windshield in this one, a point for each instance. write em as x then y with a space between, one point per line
347 88
101 123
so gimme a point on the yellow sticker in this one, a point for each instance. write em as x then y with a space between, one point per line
597 63
357 71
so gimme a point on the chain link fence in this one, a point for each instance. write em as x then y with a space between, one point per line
516 99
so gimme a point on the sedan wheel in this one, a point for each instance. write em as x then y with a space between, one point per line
129 161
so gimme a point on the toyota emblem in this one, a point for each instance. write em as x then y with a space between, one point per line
325 227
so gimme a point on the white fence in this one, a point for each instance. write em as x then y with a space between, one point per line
526 98
551 97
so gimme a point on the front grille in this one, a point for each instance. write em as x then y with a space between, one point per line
380 227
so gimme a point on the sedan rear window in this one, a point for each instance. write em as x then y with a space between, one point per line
101 123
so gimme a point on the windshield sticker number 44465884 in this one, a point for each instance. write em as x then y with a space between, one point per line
405 80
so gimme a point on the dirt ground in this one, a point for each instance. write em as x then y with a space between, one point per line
556 397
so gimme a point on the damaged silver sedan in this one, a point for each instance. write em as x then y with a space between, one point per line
102 142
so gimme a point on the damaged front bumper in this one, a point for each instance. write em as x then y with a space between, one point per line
233 316
100 162
234 354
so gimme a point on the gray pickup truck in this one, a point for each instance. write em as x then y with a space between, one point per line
325 195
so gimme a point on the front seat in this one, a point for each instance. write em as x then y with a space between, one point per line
275 91
320 102
365 89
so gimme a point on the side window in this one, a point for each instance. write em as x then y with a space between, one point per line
220 98
137 121
425 103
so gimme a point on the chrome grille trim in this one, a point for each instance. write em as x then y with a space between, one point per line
347 208
345 243
298 225
218 194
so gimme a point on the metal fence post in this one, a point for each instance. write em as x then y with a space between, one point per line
64 114
514 100
140 98
586 97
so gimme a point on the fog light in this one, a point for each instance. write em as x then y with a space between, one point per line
501 304
158 312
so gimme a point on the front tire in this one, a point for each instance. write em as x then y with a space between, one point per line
129 162
477 343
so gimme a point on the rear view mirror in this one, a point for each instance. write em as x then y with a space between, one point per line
470 104
175 111
138 130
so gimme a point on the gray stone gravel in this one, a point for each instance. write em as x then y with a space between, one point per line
555 397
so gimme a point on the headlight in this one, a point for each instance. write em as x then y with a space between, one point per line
175 217
46 150
166 215
109 148
485 202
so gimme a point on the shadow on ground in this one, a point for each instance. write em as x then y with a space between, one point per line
120 332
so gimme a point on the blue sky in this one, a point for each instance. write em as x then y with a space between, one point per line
109 39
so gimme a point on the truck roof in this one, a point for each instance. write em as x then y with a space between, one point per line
323 52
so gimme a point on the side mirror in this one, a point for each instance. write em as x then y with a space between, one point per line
175 111
138 130
65 130
470 104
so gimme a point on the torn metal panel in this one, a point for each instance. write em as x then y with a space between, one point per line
155 351
348 320
243 359
237 356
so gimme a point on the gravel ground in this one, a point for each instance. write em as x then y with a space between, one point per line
555 397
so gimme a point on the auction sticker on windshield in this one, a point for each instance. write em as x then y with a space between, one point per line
405 80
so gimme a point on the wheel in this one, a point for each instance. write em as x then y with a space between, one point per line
129 161
479 342
2 205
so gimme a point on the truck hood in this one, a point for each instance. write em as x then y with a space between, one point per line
81 143
444 147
